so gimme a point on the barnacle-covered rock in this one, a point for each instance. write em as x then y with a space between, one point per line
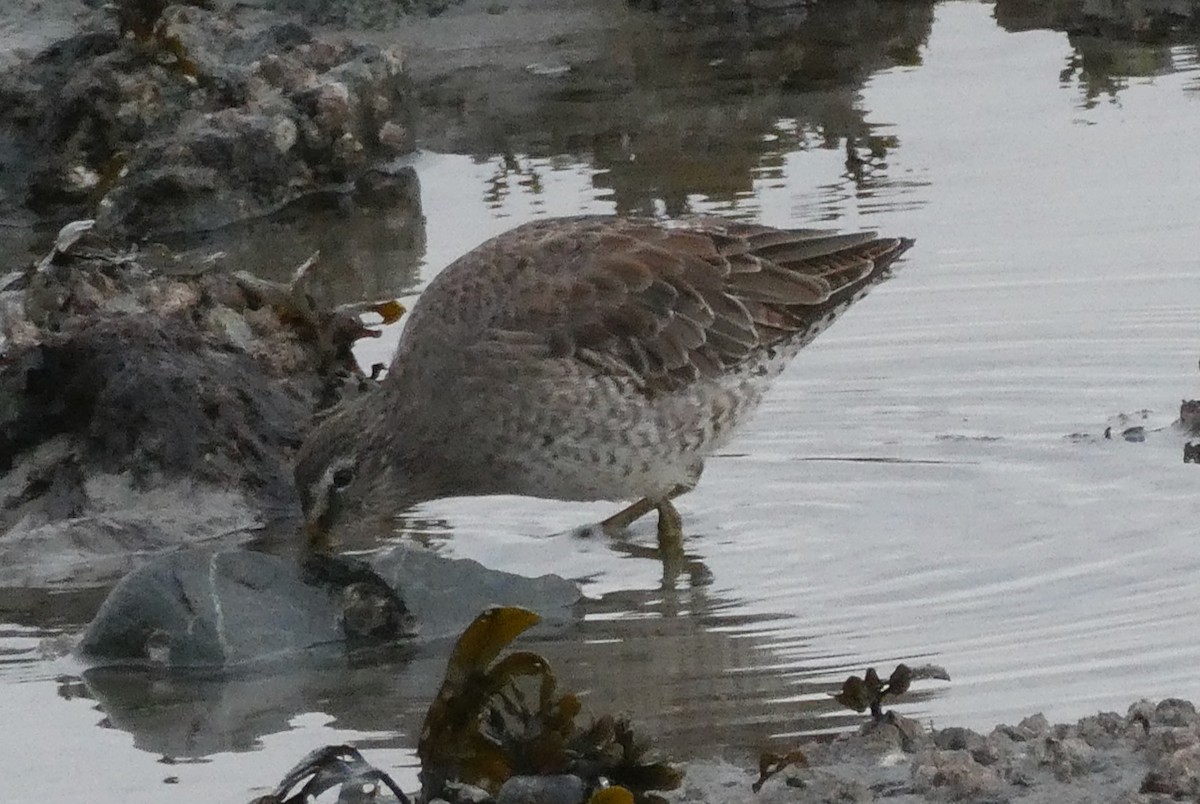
146 404
181 117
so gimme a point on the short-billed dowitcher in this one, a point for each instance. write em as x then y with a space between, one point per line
587 358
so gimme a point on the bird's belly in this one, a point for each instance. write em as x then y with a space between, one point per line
602 471
601 443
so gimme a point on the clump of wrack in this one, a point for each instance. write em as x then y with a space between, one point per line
497 721
500 731
860 693
182 118
1150 754
141 409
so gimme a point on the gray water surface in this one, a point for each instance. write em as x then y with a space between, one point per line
927 483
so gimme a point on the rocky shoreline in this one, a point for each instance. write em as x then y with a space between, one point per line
1149 755
485 749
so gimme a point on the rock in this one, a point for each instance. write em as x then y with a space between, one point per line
1189 416
1104 730
394 137
142 411
1174 712
1145 21
445 595
1135 435
156 397
562 789
1163 742
74 529
1069 757
1141 713
1001 745
960 739
894 732
197 123
1104 757
776 15
954 773
371 14
189 714
387 189
205 609
1176 774
226 608
1028 729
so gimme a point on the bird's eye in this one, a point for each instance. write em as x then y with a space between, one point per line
342 477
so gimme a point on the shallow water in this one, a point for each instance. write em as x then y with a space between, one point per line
928 482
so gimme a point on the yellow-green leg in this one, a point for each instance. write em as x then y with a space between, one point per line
627 516
670 530
670 523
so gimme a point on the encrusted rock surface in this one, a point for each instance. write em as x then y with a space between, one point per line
206 118
141 409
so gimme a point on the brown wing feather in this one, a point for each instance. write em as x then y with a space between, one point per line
662 304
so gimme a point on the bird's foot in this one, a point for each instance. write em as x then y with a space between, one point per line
670 529
670 523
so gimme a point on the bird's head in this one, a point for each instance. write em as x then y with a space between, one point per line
358 468
338 473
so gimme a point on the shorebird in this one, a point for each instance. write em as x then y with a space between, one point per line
584 358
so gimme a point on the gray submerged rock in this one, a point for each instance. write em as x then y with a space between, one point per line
233 608
236 608
446 594
201 644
